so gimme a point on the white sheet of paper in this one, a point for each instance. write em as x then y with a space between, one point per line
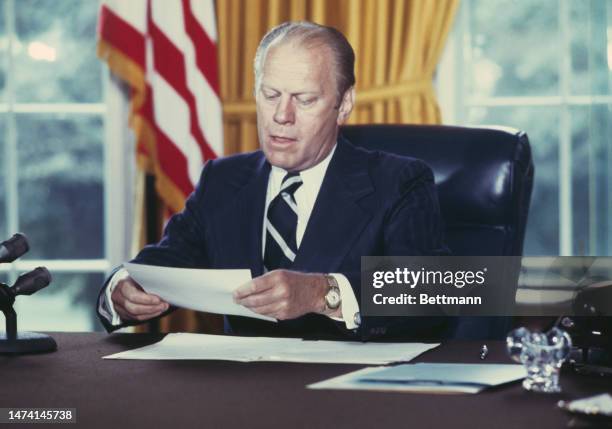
251 349
186 346
351 352
195 289
408 378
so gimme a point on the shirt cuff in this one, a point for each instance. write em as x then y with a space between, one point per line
115 320
350 307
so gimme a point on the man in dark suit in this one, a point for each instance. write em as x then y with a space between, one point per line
300 212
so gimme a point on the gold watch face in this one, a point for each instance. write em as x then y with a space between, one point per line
333 298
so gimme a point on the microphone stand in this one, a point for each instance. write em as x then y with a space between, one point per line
12 342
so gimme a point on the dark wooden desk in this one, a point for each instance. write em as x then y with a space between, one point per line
212 394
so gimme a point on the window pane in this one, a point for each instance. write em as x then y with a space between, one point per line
3 51
512 48
590 23
67 304
3 220
61 185
592 175
55 55
540 123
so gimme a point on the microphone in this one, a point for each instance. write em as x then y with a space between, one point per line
26 284
32 282
13 248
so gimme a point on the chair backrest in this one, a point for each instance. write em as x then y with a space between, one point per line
484 178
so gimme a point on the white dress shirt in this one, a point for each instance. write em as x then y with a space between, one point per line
305 197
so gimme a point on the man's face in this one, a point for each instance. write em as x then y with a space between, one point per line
297 106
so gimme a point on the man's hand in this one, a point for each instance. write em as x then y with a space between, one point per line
132 303
284 294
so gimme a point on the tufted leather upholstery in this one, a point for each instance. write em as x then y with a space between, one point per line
484 178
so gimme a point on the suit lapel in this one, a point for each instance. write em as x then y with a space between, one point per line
244 220
337 218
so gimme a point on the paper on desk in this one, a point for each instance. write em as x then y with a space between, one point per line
427 377
350 352
186 346
251 349
599 406
195 289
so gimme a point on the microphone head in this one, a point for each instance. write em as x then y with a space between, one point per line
32 282
13 248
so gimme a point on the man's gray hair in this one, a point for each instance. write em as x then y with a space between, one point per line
309 35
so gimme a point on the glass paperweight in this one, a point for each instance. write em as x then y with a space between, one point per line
542 354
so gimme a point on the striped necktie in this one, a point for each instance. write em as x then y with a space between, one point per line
281 225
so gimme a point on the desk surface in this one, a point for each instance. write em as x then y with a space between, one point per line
215 394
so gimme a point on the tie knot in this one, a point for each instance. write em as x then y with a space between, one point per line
291 183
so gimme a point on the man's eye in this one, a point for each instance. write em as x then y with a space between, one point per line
270 96
306 101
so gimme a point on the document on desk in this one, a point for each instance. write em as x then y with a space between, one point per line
195 289
265 349
427 378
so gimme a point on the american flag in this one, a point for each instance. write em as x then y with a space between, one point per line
166 51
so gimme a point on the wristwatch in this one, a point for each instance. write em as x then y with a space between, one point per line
332 297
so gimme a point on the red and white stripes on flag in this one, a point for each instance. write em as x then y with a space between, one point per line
166 51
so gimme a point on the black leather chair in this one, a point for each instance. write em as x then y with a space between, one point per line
484 178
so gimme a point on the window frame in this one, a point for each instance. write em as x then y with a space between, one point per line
455 102
118 159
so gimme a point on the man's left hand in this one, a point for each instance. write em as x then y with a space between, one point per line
284 294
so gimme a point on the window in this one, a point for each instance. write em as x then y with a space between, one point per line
543 66
55 184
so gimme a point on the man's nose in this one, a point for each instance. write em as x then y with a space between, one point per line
284 113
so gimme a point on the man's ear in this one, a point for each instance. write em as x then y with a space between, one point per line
346 106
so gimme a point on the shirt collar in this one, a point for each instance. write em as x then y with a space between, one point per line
312 177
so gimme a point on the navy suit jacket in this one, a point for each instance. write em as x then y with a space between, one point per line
370 203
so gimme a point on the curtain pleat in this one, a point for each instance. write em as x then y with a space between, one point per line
397 44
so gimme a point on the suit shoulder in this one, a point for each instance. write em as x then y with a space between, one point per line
228 173
240 160
390 166
233 170
400 180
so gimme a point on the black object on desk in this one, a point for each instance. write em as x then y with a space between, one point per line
591 330
25 342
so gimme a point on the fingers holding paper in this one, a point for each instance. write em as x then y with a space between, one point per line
132 303
283 294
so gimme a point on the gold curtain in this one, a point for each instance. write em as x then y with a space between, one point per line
397 46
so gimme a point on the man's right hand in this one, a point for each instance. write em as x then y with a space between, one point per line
132 303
